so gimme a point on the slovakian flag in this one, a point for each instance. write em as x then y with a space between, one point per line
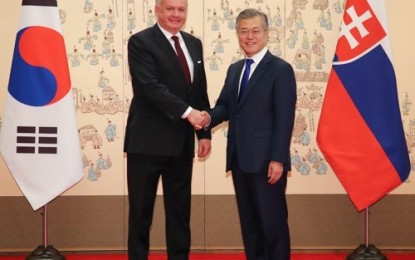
360 131
39 138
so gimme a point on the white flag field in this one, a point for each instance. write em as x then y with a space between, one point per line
39 137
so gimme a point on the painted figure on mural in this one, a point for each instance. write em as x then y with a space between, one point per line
214 61
95 23
215 24
131 21
110 131
92 173
218 44
88 6
88 40
110 19
75 57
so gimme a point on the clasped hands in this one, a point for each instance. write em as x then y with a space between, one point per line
198 119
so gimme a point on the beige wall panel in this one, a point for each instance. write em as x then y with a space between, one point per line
87 223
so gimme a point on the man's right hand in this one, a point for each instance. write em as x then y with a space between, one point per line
198 119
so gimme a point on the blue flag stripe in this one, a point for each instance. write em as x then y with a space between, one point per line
375 96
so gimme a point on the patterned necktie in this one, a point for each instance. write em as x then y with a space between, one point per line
245 76
182 59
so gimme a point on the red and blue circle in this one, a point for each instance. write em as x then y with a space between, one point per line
39 74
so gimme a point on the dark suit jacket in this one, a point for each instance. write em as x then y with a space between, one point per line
261 123
161 96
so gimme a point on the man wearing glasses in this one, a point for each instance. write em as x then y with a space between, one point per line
258 99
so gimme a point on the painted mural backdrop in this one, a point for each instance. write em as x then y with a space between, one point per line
303 32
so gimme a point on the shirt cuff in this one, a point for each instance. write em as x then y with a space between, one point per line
187 112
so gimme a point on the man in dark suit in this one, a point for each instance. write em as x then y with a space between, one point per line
169 87
261 117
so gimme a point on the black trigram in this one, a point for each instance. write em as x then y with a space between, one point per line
45 140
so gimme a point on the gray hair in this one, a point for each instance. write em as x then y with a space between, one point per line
251 13
158 2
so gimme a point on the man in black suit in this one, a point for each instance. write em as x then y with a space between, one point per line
169 87
261 117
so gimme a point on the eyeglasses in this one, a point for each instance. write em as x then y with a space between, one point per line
253 32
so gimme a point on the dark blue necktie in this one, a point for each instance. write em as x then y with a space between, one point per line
245 76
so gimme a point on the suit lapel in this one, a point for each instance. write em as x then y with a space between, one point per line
193 54
257 75
237 76
190 48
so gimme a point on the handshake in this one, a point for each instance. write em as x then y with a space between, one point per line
198 119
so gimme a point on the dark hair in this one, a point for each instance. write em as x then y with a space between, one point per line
251 13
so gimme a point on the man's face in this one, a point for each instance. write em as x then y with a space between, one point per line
252 35
171 14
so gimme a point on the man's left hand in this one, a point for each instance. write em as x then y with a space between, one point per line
275 170
204 147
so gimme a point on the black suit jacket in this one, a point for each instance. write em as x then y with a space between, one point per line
161 95
261 123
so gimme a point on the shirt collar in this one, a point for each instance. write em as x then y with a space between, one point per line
258 57
169 34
